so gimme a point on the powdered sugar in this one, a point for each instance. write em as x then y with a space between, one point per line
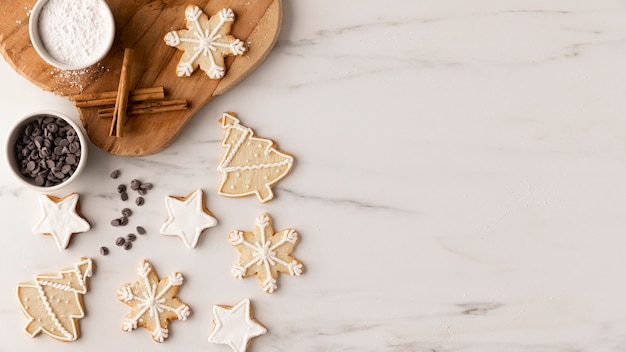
75 32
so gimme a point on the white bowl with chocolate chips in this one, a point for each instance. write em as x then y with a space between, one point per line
46 150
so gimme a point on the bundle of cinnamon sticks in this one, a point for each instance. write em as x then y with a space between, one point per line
117 105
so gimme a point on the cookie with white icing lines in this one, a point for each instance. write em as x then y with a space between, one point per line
187 217
153 302
61 218
235 326
265 253
250 165
205 42
53 302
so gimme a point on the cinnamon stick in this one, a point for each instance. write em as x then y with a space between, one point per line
121 103
147 108
109 98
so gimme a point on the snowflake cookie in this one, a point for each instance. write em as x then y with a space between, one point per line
265 253
187 218
235 326
153 302
61 218
53 302
250 165
205 42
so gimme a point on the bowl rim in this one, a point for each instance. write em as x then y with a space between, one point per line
10 151
35 39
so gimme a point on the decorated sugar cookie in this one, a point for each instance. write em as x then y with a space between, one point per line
61 218
53 302
265 253
235 326
250 165
187 218
153 302
205 42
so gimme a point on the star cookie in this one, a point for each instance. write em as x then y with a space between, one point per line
61 218
153 302
53 302
250 165
205 42
187 218
235 326
265 253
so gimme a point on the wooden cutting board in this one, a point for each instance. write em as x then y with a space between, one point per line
141 25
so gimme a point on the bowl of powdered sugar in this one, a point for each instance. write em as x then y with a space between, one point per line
72 34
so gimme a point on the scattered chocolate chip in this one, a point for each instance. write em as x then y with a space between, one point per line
127 212
104 250
123 221
121 189
142 191
115 174
116 222
141 230
124 196
147 186
120 241
139 201
131 237
128 245
135 184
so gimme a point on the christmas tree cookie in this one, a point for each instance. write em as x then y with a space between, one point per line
265 253
53 302
153 302
250 165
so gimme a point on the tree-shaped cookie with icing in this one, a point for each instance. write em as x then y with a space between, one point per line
205 42
265 253
153 302
250 165
53 302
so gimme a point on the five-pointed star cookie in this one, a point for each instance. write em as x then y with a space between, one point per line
187 217
205 42
153 302
60 218
235 326
265 253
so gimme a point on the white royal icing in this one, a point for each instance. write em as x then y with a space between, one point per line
60 219
187 219
235 327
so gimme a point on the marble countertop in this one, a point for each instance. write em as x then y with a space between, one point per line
460 185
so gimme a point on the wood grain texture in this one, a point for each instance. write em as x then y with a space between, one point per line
141 25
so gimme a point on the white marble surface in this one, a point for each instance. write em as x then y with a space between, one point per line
460 186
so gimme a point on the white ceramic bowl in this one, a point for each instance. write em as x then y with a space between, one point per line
40 48
17 132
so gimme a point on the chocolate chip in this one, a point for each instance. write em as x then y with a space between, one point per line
115 222
124 196
127 212
121 189
135 184
120 241
147 186
115 174
139 201
128 245
104 250
141 230
142 191
131 237
123 221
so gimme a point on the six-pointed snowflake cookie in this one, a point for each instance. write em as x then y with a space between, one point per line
235 326
265 253
61 218
250 165
205 42
53 302
187 217
153 302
